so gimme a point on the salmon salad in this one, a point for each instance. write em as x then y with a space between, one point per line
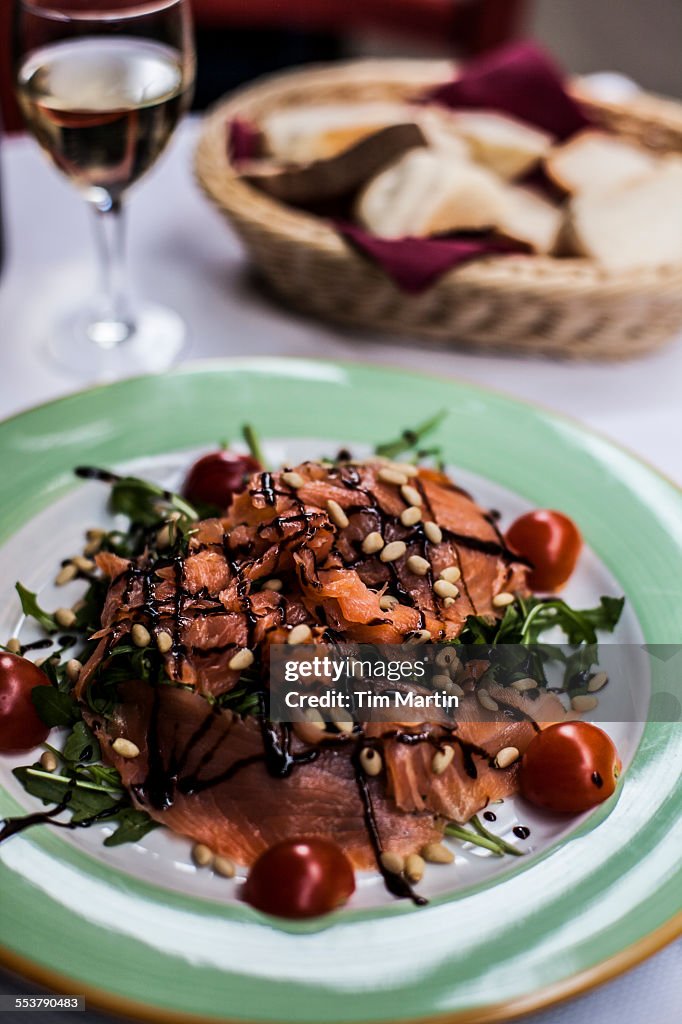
164 705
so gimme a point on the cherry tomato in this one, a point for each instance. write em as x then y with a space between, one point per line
214 478
20 727
551 541
569 767
300 878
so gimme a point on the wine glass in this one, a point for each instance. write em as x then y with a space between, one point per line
102 84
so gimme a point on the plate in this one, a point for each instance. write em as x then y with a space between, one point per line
138 929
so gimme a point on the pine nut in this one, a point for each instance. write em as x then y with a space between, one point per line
48 761
314 718
486 701
506 756
372 543
420 636
336 514
275 585
597 682
411 515
201 855
411 494
387 602
396 549
345 725
392 862
454 688
73 669
437 853
83 564
439 682
93 547
418 565
224 866
442 759
445 589
96 533
292 479
391 476
371 761
13 645
125 748
584 703
433 532
414 868
299 634
242 659
405 467
447 657
164 641
140 635
448 602
524 684
65 617
66 574
502 599
452 574
163 538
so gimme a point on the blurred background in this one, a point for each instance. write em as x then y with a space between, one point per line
238 40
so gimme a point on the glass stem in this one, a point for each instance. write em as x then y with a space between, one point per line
112 322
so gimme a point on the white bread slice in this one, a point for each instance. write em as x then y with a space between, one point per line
595 160
532 219
312 132
636 225
505 145
426 192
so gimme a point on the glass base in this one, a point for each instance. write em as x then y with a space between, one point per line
107 350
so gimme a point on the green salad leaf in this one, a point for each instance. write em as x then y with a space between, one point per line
31 608
54 707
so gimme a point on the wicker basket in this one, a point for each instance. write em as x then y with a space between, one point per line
536 304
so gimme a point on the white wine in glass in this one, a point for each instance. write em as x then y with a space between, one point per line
102 84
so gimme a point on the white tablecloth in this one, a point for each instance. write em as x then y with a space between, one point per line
182 253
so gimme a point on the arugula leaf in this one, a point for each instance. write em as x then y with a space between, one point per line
147 503
526 619
84 799
55 707
132 826
31 608
410 438
81 745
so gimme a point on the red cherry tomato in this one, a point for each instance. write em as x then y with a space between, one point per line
20 727
300 878
214 478
551 541
569 767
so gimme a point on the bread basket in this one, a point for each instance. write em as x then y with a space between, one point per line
569 308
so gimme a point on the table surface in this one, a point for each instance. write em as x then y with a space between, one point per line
183 254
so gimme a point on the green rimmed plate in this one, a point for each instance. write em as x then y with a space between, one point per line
137 935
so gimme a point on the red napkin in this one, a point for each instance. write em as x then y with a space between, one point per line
415 263
243 140
520 80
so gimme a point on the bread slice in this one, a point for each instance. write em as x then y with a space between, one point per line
335 178
509 147
531 218
309 132
636 225
427 193
594 160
